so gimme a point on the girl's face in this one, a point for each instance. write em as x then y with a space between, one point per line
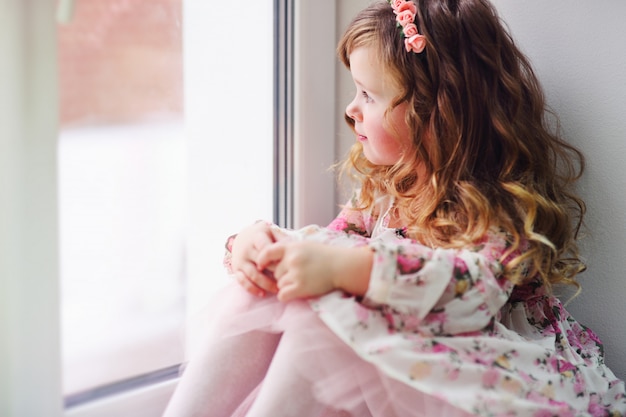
383 140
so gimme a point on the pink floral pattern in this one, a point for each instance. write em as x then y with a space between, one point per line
447 321
228 258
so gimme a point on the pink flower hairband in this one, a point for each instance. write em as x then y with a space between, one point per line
405 16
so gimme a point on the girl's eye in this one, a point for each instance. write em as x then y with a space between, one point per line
368 99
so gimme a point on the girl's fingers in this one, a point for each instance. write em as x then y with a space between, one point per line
267 283
262 240
247 285
270 254
258 280
289 288
287 292
278 235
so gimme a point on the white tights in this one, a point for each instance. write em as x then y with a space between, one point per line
218 382
280 381
259 373
222 375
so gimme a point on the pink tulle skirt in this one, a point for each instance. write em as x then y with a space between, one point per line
341 381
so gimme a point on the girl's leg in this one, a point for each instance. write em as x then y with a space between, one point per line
309 353
285 392
221 377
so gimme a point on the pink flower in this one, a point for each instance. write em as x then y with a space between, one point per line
595 408
410 30
440 318
405 17
404 6
459 265
441 348
525 377
362 313
415 43
579 385
535 396
396 4
490 378
593 336
453 375
560 365
409 265
410 321
339 224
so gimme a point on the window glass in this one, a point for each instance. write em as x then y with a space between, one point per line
122 190
166 147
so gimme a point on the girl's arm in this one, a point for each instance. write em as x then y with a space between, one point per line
439 291
353 268
307 268
416 288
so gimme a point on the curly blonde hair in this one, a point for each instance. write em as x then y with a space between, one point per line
480 130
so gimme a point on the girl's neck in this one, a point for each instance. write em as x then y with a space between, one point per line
395 222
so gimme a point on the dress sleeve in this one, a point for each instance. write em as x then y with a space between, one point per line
351 220
438 291
228 254
228 249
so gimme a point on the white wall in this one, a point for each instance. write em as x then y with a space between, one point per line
579 55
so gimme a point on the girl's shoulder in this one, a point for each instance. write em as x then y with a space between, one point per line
356 218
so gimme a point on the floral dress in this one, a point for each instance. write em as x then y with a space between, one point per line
445 327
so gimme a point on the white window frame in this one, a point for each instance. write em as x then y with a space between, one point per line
315 111
30 381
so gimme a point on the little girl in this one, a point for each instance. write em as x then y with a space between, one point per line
431 294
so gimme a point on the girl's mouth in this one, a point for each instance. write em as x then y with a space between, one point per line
361 138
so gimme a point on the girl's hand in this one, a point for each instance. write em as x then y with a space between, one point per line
308 269
245 249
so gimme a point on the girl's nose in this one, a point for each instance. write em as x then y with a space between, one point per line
352 111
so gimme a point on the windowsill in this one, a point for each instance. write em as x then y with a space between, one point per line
148 401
